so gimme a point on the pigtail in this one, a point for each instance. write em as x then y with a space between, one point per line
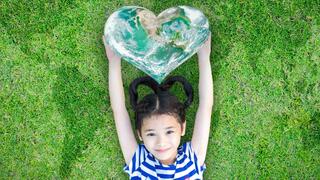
147 81
166 85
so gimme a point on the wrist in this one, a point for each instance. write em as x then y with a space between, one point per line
114 62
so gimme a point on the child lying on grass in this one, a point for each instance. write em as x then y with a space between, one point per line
160 123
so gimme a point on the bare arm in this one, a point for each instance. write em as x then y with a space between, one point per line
201 130
126 136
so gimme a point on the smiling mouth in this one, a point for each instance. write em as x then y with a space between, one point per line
162 150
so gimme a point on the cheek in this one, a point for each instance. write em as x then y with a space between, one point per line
175 139
148 141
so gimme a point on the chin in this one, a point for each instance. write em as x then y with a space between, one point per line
165 157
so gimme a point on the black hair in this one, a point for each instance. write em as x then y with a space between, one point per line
161 101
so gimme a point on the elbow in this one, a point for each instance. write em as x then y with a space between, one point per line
206 102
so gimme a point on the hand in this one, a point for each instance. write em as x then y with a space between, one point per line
204 51
112 56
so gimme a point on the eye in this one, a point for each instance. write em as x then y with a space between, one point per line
151 134
170 132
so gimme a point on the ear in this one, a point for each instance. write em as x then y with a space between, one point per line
183 128
139 135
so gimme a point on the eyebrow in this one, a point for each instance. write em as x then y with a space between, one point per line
149 130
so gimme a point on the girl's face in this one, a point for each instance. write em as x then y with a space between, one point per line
161 135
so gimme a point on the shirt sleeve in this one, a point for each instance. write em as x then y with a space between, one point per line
187 148
138 157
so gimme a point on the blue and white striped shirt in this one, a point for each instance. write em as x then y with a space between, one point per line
145 166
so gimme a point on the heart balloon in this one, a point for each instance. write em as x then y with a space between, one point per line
156 44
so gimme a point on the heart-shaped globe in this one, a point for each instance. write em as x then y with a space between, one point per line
156 44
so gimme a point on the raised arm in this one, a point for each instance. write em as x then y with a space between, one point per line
125 133
201 130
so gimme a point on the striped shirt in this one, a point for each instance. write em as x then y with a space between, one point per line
145 166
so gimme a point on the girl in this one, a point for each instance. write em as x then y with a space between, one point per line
160 123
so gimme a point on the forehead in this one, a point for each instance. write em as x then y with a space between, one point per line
159 122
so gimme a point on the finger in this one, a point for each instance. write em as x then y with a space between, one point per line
104 40
108 49
105 44
209 37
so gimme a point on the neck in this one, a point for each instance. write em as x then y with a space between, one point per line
170 160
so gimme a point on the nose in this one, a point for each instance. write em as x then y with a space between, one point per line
161 141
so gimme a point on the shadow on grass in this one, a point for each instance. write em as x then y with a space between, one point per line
32 17
215 121
311 135
81 105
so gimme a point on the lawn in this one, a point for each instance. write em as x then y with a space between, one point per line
55 115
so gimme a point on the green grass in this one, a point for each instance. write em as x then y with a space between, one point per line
55 114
